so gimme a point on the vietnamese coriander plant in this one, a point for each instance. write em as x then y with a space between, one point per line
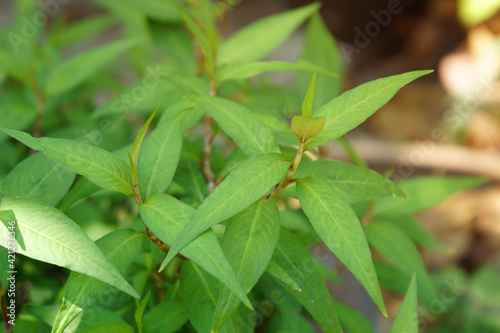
209 236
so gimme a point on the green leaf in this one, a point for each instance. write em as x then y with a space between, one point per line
120 248
306 128
338 226
249 242
136 146
407 318
44 233
199 291
167 216
299 264
260 38
352 320
354 183
391 278
307 105
198 34
38 178
413 229
140 311
239 71
167 317
97 165
321 49
82 189
74 71
350 109
244 127
160 155
423 193
246 184
398 248
279 274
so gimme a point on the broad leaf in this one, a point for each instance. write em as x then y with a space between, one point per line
108 327
321 49
239 71
44 233
97 165
80 190
167 216
354 183
159 157
120 248
338 226
398 248
246 184
350 109
74 71
260 38
249 242
38 178
407 318
424 193
299 264
167 317
244 127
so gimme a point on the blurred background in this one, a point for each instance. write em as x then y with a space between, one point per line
447 123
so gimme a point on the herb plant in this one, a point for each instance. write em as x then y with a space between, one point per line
206 237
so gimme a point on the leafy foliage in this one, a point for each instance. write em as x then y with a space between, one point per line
200 235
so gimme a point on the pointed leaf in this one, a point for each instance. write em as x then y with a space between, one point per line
398 248
120 248
239 71
74 71
258 39
244 127
297 261
355 184
136 146
279 274
407 318
140 311
423 193
97 165
307 105
246 184
321 49
44 233
249 242
338 226
159 157
167 216
38 178
350 109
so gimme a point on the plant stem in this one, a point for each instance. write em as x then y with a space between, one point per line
7 325
291 172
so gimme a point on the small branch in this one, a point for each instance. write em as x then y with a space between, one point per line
7 325
291 172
